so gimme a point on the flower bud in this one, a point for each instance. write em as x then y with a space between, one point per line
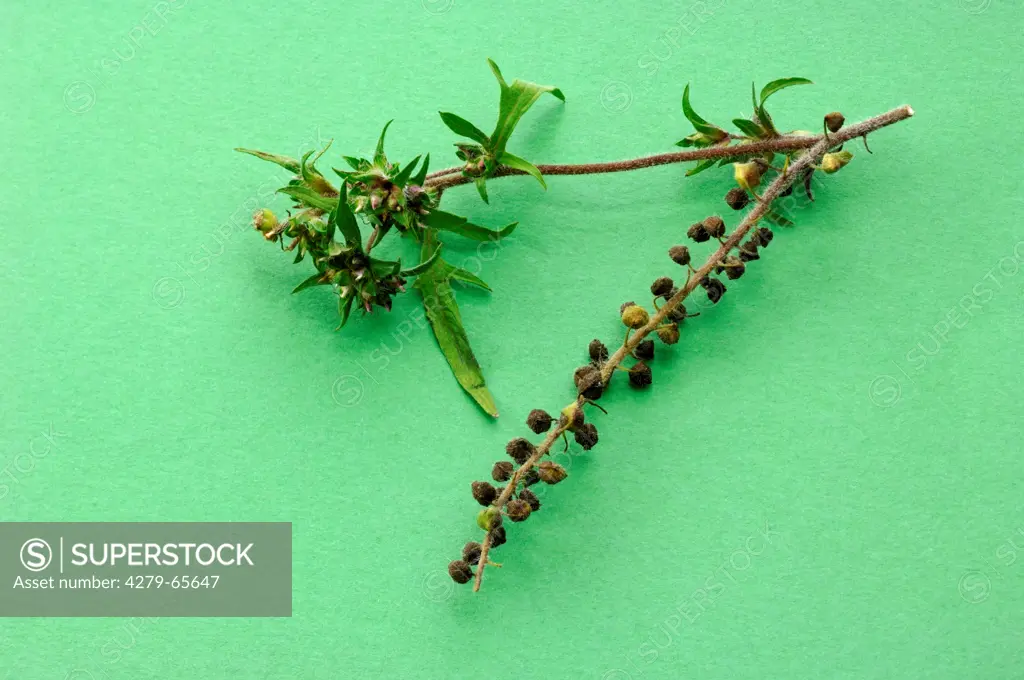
714 226
519 450
678 313
737 198
518 510
747 175
661 286
834 121
586 436
574 416
489 518
460 571
551 473
264 222
669 334
484 493
502 471
680 255
635 316
471 552
598 352
835 161
698 233
539 421
640 375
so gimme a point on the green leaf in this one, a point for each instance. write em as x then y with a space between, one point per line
463 127
284 161
305 170
314 280
378 155
443 313
781 84
422 266
481 187
421 176
355 163
343 219
309 197
402 178
748 127
460 274
699 123
344 309
322 151
701 167
385 267
516 100
438 219
521 164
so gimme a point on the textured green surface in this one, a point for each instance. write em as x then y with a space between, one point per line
836 395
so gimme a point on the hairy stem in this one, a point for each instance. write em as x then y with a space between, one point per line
778 185
450 177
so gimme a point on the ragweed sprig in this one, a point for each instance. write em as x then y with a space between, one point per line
379 197
515 501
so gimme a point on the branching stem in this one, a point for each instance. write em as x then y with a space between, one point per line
819 147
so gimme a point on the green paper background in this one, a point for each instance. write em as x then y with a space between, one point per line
858 392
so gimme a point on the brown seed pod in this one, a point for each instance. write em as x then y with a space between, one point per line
502 471
531 498
551 473
734 267
640 375
497 535
661 286
598 352
471 552
834 121
518 510
539 421
680 255
698 233
669 334
644 350
484 493
715 288
586 436
460 571
519 450
737 198
714 226
748 251
588 381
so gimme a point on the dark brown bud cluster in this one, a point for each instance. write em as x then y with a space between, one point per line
588 381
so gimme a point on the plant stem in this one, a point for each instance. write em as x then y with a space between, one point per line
778 185
450 177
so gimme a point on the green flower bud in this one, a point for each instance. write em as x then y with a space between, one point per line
835 161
